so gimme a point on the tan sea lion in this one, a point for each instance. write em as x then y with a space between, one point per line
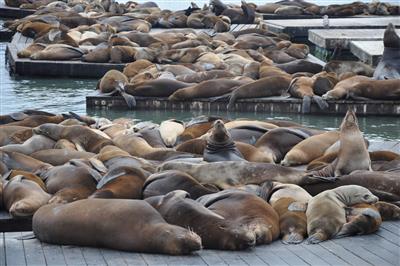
110 81
133 225
326 214
14 134
65 144
58 52
122 54
134 145
19 161
341 67
101 54
324 82
132 69
27 175
60 156
37 120
23 197
31 145
31 49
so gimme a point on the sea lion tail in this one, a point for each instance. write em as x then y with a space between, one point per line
306 105
321 102
292 238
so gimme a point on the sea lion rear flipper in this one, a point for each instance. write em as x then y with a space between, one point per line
317 237
129 99
232 101
321 102
306 105
298 206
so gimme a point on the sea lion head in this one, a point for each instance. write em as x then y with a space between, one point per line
390 37
349 121
219 133
50 130
354 194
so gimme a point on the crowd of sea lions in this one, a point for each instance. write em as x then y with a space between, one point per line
177 187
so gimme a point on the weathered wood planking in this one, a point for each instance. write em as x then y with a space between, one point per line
14 12
299 28
271 104
331 38
372 249
268 16
369 52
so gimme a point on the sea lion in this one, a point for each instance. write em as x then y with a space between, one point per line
65 144
58 52
198 77
275 191
276 87
300 65
60 156
363 88
110 80
134 145
310 148
132 69
229 174
14 134
100 54
23 197
388 211
133 225
84 138
170 130
31 145
121 183
27 175
326 214
220 146
37 120
246 209
166 181
31 49
324 82
215 231
389 65
341 67
155 88
19 161
122 54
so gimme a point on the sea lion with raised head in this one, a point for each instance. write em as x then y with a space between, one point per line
133 225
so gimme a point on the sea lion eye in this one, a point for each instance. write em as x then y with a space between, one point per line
366 196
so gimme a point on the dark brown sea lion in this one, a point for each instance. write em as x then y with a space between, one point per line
324 82
58 52
244 208
82 137
27 175
388 211
100 54
167 181
197 127
37 120
389 65
326 214
133 225
300 65
122 54
155 88
23 197
215 231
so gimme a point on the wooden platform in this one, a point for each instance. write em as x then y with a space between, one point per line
381 248
298 29
329 39
369 52
269 105
14 12
9 224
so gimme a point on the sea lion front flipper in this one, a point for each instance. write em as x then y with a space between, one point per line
18 116
129 99
79 147
298 206
292 238
306 105
98 165
321 102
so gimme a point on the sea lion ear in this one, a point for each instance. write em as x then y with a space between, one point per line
298 206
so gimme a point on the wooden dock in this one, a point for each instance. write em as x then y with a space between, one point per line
369 52
381 248
268 105
298 29
9 224
14 12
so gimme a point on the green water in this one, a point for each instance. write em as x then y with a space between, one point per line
64 95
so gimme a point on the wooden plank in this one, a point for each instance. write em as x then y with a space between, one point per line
389 236
73 255
154 259
250 258
34 254
53 254
112 257
268 256
306 255
343 253
369 52
2 250
325 254
285 254
132 258
391 228
211 257
231 258
391 257
14 249
193 259
93 256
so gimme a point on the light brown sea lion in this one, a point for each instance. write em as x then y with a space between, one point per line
198 77
31 49
298 50
240 123
27 175
35 29
84 138
289 10
37 120
65 144
244 208
276 86
156 88
133 225
310 148
275 191
60 156
326 214
23 197
101 54
58 52
216 232
110 81
121 183
197 127
132 69
324 82
365 89
31 145
122 54
278 56
14 134
134 145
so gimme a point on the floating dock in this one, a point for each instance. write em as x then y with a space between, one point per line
10 224
298 29
268 105
381 248
14 12
369 52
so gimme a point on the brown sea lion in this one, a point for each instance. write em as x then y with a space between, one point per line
122 54
37 120
134 145
244 208
324 82
110 81
19 161
326 214
341 67
216 232
65 144
14 134
133 225
27 175
31 49
84 138
100 54
132 69
156 88
23 197
60 156
388 211
58 52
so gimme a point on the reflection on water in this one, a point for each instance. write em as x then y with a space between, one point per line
64 95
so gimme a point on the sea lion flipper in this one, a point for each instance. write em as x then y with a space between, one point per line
26 237
292 238
321 102
221 98
79 147
298 206
98 165
18 116
129 99
316 238
359 98
306 105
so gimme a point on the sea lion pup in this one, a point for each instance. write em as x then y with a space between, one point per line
60 156
230 174
326 212
207 89
389 65
300 65
215 231
341 67
170 130
353 154
220 146
278 141
276 87
31 145
121 183
324 82
83 137
310 148
246 209
363 88
159 184
23 197
133 225
58 52
302 87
